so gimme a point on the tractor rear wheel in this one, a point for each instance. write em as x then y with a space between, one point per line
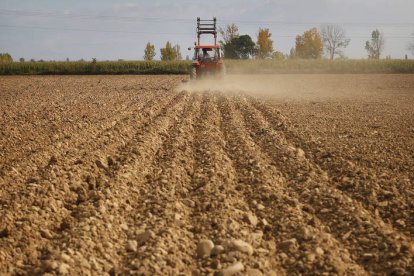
193 73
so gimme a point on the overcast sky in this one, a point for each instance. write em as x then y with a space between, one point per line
111 30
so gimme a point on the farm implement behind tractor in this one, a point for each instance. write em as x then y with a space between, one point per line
207 59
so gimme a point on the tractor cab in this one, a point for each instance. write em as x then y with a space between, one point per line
207 59
206 53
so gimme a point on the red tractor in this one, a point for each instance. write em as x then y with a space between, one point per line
207 58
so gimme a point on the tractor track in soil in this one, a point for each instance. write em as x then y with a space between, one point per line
129 175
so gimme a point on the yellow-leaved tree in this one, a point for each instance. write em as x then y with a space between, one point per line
264 44
5 57
168 53
309 45
149 52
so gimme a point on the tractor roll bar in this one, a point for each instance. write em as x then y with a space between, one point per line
209 27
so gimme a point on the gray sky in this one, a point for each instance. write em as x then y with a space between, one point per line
111 30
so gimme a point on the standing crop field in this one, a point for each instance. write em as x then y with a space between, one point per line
292 66
255 174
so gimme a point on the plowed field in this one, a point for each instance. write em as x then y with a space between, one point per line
259 175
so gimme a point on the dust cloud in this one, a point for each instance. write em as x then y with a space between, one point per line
282 86
250 84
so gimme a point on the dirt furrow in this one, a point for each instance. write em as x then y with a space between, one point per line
222 236
67 109
97 234
63 174
59 140
82 145
372 243
298 235
69 184
63 107
163 209
386 195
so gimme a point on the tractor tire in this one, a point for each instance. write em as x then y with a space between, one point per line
193 73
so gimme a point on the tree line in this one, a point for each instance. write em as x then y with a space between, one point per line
330 39
312 44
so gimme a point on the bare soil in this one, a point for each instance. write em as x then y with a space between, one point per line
260 175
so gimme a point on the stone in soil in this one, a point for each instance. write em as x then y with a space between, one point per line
253 272
144 236
217 250
241 246
63 269
290 245
319 251
46 234
101 163
204 248
231 270
132 245
252 219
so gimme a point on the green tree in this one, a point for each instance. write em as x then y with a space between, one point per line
241 47
245 47
264 44
376 45
227 42
21 59
5 57
168 53
149 52
309 45
229 50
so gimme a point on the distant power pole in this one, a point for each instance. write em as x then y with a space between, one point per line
406 57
